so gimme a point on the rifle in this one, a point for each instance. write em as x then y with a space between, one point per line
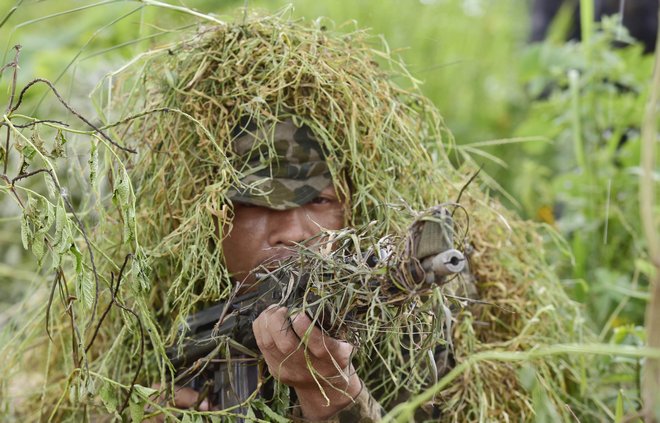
429 259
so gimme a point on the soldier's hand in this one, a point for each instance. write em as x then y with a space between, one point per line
183 398
290 348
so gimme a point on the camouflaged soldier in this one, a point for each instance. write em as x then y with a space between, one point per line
286 197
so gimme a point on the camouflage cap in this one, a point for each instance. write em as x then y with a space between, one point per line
294 175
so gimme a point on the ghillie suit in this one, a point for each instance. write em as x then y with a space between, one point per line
158 253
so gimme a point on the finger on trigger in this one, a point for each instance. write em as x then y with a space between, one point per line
260 324
300 323
286 339
263 336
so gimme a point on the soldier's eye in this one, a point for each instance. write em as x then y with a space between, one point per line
321 200
244 206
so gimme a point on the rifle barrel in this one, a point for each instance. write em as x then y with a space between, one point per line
443 264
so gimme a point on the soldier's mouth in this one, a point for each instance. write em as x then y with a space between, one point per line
274 262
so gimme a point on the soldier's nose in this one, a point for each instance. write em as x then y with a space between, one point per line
289 227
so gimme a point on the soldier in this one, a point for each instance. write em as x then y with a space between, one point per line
296 200
268 132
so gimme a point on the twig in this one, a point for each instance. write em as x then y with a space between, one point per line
50 302
139 367
27 175
35 122
13 64
467 184
113 299
13 190
68 300
91 258
138 115
69 108
116 302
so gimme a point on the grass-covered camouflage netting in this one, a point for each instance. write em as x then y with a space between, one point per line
130 247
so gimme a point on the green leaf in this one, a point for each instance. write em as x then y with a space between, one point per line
272 416
42 213
38 247
29 152
135 271
58 147
73 393
120 194
32 206
56 260
144 391
37 141
109 397
139 279
90 388
66 239
50 186
78 255
129 222
136 408
26 232
60 223
250 416
87 289
49 216
618 416
93 163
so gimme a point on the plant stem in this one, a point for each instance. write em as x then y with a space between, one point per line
651 370
586 19
182 9
578 140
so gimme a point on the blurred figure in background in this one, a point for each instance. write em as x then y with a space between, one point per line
640 17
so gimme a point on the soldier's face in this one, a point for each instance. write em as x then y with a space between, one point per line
261 236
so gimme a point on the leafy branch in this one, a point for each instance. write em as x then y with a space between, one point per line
40 213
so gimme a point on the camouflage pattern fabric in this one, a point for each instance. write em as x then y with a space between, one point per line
289 175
